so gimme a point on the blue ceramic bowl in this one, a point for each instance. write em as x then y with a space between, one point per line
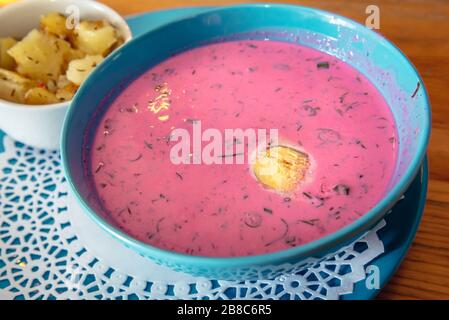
392 73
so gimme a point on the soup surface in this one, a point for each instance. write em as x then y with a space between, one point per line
320 106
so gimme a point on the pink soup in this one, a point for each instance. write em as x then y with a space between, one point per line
319 104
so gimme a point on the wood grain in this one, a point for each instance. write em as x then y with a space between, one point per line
420 28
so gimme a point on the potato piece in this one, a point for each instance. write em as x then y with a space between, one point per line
39 55
71 54
40 96
95 37
66 94
62 82
281 168
13 86
65 89
6 61
74 54
54 23
79 69
51 86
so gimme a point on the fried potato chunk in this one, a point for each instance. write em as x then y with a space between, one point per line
54 23
40 55
79 69
40 95
6 61
13 86
95 37
65 89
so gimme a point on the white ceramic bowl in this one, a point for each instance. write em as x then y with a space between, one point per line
40 126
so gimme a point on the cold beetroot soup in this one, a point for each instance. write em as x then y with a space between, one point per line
336 131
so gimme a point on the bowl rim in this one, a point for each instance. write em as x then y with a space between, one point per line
319 245
21 5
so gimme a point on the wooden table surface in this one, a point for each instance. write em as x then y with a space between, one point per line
421 29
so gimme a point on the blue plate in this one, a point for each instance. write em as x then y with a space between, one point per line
402 223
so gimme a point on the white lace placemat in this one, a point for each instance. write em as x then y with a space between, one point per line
46 250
